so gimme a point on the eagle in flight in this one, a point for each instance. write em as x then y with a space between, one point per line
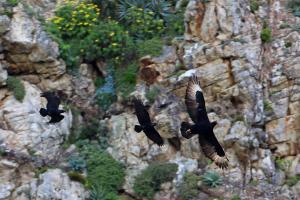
202 127
52 109
145 123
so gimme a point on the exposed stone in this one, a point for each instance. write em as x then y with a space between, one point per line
23 125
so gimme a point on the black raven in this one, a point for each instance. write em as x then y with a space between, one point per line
195 104
145 123
52 107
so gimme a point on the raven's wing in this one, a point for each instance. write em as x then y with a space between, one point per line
141 112
52 99
56 118
153 135
213 150
194 101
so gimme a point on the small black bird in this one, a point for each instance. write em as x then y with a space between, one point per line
52 107
195 104
145 123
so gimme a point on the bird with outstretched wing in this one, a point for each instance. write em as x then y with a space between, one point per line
202 127
52 108
145 123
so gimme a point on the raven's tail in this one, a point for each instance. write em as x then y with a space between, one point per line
138 128
43 112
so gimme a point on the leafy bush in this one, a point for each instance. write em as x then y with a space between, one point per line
266 34
106 41
97 193
151 47
254 5
292 180
268 105
175 24
83 17
77 163
108 8
13 2
211 179
75 176
142 24
152 94
149 180
16 86
294 6
188 189
125 79
102 169
283 164
235 197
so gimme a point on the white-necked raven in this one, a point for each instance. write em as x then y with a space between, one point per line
52 109
145 123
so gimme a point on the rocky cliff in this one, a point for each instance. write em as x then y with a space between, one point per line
247 59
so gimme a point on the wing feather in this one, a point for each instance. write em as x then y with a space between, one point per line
194 100
213 150
52 100
153 135
141 112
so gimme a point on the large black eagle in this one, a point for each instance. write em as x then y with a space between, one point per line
202 127
145 123
52 108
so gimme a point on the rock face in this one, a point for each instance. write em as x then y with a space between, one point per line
53 184
23 129
251 88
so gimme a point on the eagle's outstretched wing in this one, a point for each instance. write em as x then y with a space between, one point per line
213 150
194 101
52 100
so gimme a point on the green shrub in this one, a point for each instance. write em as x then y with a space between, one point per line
152 94
16 86
108 8
294 6
283 164
268 105
142 24
125 79
106 41
102 169
151 47
149 180
75 176
98 82
160 9
175 24
13 2
291 181
266 34
83 17
97 193
254 5
211 179
235 197
188 189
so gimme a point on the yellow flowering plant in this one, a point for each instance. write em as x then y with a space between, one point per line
75 19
